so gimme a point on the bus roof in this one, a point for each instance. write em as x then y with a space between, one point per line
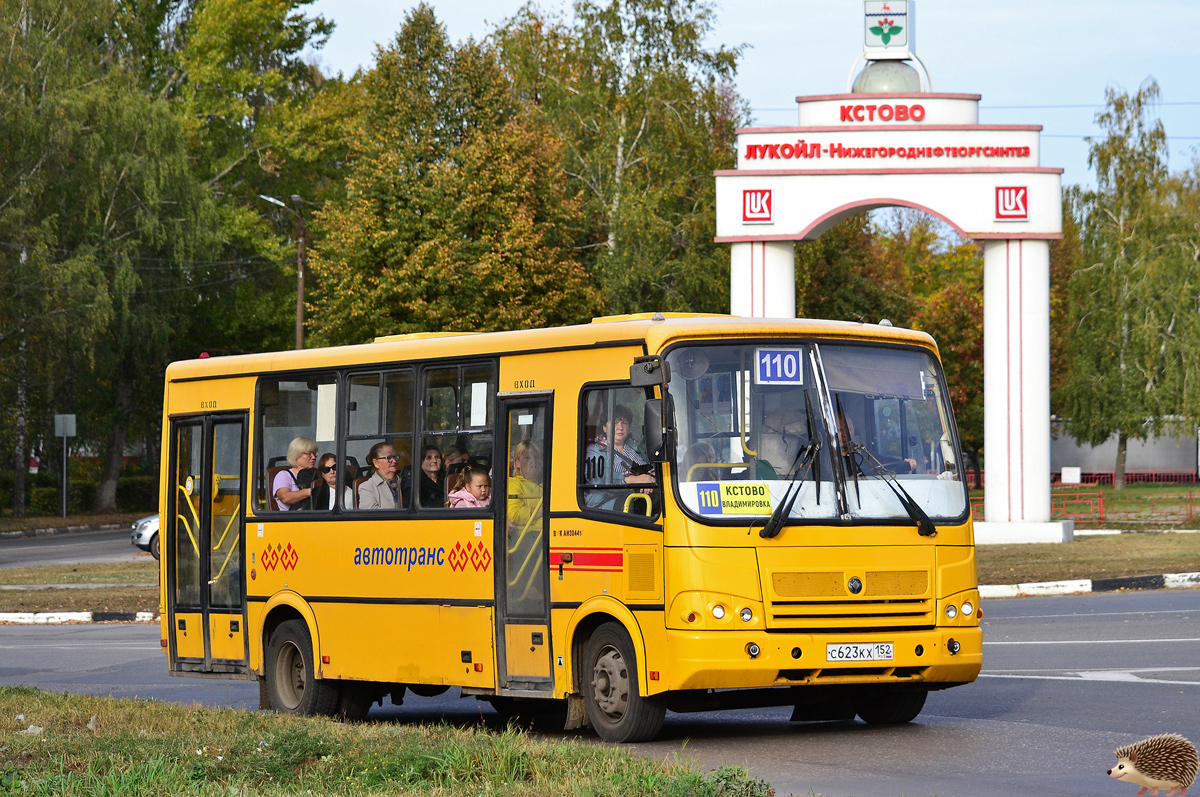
652 330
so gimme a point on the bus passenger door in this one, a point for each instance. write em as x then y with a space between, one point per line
523 576
204 545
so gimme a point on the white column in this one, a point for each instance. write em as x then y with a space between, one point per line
762 279
1016 393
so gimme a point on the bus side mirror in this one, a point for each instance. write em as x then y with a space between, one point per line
652 427
650 371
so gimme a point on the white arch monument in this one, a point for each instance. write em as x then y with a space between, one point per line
858 151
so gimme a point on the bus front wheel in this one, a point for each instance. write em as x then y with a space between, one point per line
615 705
292 683
889 706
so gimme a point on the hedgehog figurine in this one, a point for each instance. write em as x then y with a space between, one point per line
1167 761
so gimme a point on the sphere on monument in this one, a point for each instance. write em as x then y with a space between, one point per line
887 77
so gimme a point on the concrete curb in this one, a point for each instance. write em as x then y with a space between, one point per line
1165 581
10 535
59 618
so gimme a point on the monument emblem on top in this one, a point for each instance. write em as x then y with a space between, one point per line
888 29
890 141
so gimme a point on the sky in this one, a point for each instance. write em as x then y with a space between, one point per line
1044 62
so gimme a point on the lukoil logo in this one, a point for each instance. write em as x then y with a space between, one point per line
756 206
1012 203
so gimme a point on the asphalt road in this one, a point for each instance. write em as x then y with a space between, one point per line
1066 681
69 549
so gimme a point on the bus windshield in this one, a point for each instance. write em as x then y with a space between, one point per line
860 424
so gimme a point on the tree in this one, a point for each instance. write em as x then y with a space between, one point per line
1126 299
260 121
456 213
49 288
844 275
646 114
938 278
1066 255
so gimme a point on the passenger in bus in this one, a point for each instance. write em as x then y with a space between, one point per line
698 454
454 459
380 491
861 464
325 490
472 489
629 464
301 454
431 486
525 486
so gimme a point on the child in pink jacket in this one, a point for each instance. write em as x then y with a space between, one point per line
472 490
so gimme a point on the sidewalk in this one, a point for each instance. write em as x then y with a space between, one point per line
52 531
1164 581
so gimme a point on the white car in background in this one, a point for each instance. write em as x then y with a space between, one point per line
145 534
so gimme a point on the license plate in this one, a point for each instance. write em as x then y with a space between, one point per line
876 651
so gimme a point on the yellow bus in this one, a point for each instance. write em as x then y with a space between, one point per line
687 512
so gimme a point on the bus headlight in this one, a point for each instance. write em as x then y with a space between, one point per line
967 608
951 612
747 615
718 611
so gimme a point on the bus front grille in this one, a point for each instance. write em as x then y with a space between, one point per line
822 601
818 616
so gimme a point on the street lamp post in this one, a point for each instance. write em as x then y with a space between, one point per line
301 258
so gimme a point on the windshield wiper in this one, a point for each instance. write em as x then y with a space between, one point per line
808 459
844 431
925 526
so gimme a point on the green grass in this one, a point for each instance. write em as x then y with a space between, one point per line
143 571
148 748
1107 556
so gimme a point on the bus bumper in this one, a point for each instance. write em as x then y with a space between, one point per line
726 660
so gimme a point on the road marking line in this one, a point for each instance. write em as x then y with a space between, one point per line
1082 678
1092 641
72 646
1195 610
1114 669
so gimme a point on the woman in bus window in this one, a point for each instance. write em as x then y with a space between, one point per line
629 465
525 486
430 488
380 491
326 488
301 454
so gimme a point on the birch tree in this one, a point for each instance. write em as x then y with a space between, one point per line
1127 298
646 113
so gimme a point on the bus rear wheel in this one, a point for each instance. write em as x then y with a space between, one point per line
292 683
617 709
889 706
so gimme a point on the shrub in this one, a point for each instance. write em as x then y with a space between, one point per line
43 501
137 494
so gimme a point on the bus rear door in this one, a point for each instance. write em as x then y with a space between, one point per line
205 545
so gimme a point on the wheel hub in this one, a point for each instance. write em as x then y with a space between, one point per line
610 683
290 669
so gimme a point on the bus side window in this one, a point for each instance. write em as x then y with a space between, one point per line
292 409
615 474
457 429
379 410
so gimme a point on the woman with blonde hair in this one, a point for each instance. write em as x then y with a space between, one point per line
525 485
301 455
